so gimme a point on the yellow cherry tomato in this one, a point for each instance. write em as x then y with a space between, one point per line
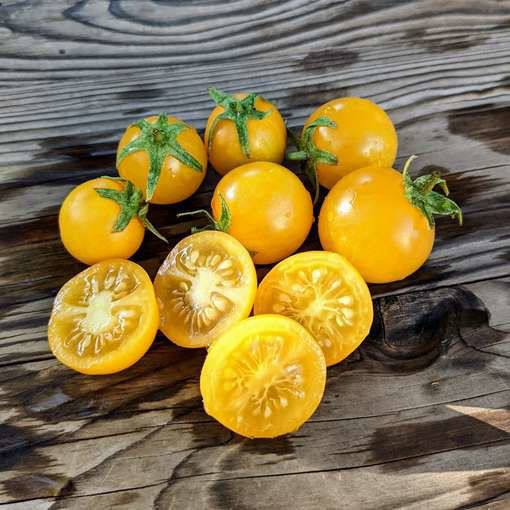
264 377
206 284
369 217
105 318
87 219
323 292
271 211
166 147
264 139
363 135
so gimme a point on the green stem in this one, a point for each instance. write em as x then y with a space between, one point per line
131 202
421 195
311 154
159 140
238 111
222 224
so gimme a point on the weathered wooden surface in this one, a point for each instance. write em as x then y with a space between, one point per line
419 416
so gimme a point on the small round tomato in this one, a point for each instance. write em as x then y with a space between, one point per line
105 318
243 128
382 221
264 377
164 157
88 221
324 293
206 284
345 134
271 212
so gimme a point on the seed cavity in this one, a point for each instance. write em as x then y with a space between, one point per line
99 320
310 293
259 382
198 288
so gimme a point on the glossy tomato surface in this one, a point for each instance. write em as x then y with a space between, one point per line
264 377
364 135
206 284
86 221
177 181
271 210
267 138
324 293
367 218
105 318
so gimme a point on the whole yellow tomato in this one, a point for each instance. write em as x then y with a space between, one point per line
382 221
164 157
266 207
243 128
102 219
343 135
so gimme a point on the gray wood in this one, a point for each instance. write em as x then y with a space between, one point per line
419 416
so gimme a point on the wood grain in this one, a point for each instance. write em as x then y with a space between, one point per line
427 351
419 416
92 38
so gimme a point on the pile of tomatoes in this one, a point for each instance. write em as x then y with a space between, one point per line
264 375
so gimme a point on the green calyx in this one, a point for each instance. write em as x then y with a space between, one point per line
223 224
309 152
239 111
159 140
421 195
131 203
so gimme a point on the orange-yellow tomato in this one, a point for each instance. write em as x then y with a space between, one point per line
264 377
86 221
177 181
367 218
364 135
267 138
324 293
206 284
271 210
105 318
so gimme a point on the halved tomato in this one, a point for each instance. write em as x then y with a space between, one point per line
323 292
105 318
264 377
206 284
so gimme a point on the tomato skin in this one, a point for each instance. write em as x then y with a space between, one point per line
176 182
73 296
267 138
364 136
367 218
272 212
86 221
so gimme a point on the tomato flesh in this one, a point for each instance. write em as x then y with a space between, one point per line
105 318
323 292
206 284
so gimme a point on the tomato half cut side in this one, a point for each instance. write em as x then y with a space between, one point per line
264 377
323 292
206 284
105 318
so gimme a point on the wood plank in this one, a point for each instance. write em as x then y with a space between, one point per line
62 40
